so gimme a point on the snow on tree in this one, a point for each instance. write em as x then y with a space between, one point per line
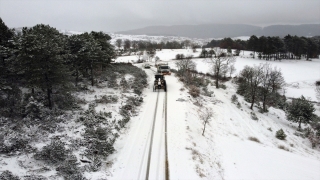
300 111
42 58
221 63
205 115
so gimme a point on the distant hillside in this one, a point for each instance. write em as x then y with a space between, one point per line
226 30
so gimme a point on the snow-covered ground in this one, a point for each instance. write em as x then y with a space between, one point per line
225 151
300 75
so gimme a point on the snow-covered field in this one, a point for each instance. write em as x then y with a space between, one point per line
300 75
225 152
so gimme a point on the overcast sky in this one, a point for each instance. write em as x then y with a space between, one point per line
118 15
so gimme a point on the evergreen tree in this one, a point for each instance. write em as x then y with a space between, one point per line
300 110
10 94
253 44
42 58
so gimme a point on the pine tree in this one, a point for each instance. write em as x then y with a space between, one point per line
300 110
42 58
281 135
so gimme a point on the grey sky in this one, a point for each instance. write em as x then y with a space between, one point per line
117 15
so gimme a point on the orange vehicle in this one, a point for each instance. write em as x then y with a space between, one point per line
164 69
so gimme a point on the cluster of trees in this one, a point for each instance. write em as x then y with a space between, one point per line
47 62
261 84
289 47
134 45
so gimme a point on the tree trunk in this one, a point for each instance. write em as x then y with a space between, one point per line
49 98
299 124
92 80
264 103
217 78
77 77
48 91
204 128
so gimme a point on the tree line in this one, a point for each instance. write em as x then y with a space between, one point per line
139 45
276 48
48 62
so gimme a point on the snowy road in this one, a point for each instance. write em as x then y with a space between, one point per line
143 155
133 147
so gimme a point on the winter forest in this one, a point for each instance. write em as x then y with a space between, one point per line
73 106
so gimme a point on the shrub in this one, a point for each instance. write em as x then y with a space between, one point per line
254 139
207 92
234 98
254 116
95 164
34 177
102 148
7 175
69 168
107 99
194 91
281 135
123 121
238 105
283 147
99 133
53 153
91 118
223 86
11 141
314 139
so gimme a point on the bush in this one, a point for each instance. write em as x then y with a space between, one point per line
95 164
254 139
283 147
11 141
207 92
7 175
99 133
281 135
223 86
238 105
91 118
102 148
194 91
53 153
314 138
107 99
34 177
254 116
69 168
234 98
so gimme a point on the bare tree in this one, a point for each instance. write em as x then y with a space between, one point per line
184 66
271 81
220 63
205 115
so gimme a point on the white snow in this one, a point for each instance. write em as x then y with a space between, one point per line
225 151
